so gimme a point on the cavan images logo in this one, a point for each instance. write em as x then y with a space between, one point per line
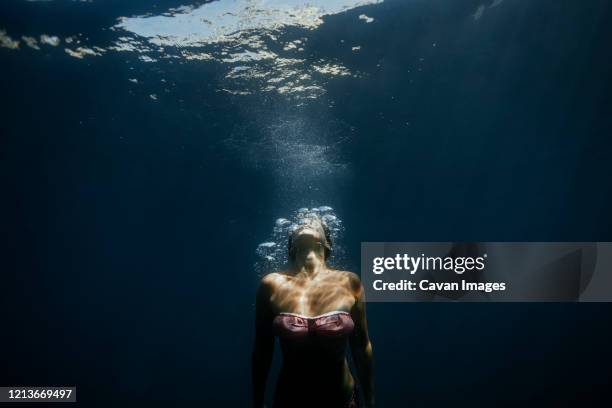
487 271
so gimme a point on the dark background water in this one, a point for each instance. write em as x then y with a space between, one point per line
129 227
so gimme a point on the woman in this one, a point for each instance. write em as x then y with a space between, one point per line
315 311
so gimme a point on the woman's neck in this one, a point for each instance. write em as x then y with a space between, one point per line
309 269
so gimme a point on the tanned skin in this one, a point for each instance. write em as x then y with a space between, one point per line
310 288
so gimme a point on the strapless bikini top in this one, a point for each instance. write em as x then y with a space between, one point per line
295 326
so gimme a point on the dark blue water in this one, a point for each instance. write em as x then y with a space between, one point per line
131 211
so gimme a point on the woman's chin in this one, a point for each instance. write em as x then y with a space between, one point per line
311 262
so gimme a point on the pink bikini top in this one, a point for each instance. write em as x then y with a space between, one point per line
295 326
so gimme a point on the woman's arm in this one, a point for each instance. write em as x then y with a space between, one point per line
361 347
264 343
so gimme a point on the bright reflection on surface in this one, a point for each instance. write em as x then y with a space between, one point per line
240 32
7 41
225 20
250 39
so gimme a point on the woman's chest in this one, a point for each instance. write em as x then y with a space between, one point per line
312 299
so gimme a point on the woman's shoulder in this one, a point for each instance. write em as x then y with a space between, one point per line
352 279
273 279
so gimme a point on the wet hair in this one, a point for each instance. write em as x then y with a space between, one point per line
315 223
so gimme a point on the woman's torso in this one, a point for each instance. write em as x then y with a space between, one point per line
313 323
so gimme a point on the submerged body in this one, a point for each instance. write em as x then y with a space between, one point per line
316 312
313 341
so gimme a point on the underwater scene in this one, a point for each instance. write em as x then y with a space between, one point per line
157 158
